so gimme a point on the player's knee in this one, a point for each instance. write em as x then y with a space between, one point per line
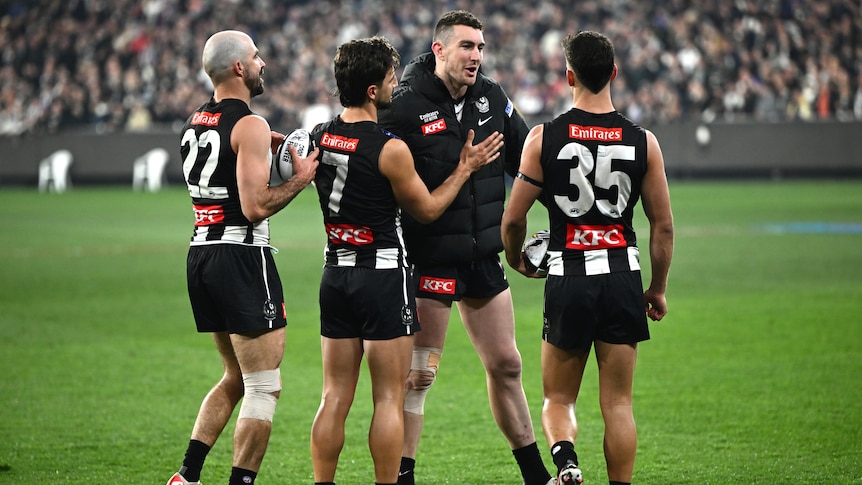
261 394
231 385
418 380
423 373
616 404
504 367
423 368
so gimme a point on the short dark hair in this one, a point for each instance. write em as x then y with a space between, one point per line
449 20
360 63
590 55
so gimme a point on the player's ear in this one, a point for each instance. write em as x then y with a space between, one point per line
614 73
570 77
371 92
437 49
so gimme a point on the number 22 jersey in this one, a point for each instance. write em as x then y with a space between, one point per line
209 168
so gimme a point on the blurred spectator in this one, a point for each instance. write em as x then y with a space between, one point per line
106 66
139 119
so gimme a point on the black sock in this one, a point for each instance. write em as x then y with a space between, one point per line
612 482
405 472
193 463
563 453
530 462
239 476
324 483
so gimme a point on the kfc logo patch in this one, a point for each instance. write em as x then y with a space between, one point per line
207 215
584 238
435 126
349 234
437 285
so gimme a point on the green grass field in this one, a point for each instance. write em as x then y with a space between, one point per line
754 377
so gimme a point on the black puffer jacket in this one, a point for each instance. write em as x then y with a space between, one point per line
423 115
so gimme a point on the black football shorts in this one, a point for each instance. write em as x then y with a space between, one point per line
606 307
482 278
234 288
367 303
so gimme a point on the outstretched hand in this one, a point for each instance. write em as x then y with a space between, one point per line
477 156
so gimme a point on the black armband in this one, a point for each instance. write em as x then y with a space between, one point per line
529 180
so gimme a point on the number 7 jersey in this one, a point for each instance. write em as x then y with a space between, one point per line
593 167
360 214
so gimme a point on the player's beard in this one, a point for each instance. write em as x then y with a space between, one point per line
382 104
254 83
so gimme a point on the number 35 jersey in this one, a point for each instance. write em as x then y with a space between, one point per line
593 167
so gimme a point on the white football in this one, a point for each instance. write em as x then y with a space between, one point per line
536 253
282 162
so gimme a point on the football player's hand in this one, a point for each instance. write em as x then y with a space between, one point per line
526 272
477 156
656 304
275 140
304 168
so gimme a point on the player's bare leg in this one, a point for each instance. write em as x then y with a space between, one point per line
255 353
218 405
434 317
616 375
491 326
214 413
341 361
562 372
388 364
490 323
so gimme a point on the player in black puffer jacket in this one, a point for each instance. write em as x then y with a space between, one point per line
442 96
424 115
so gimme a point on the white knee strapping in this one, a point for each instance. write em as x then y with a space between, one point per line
259 402
426 359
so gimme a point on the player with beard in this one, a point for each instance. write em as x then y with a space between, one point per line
233 284
367 308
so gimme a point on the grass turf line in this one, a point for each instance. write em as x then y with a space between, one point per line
752 377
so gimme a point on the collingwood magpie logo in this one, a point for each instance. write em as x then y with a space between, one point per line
483 105
406 315
269 311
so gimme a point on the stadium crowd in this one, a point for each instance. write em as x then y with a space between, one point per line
133 65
